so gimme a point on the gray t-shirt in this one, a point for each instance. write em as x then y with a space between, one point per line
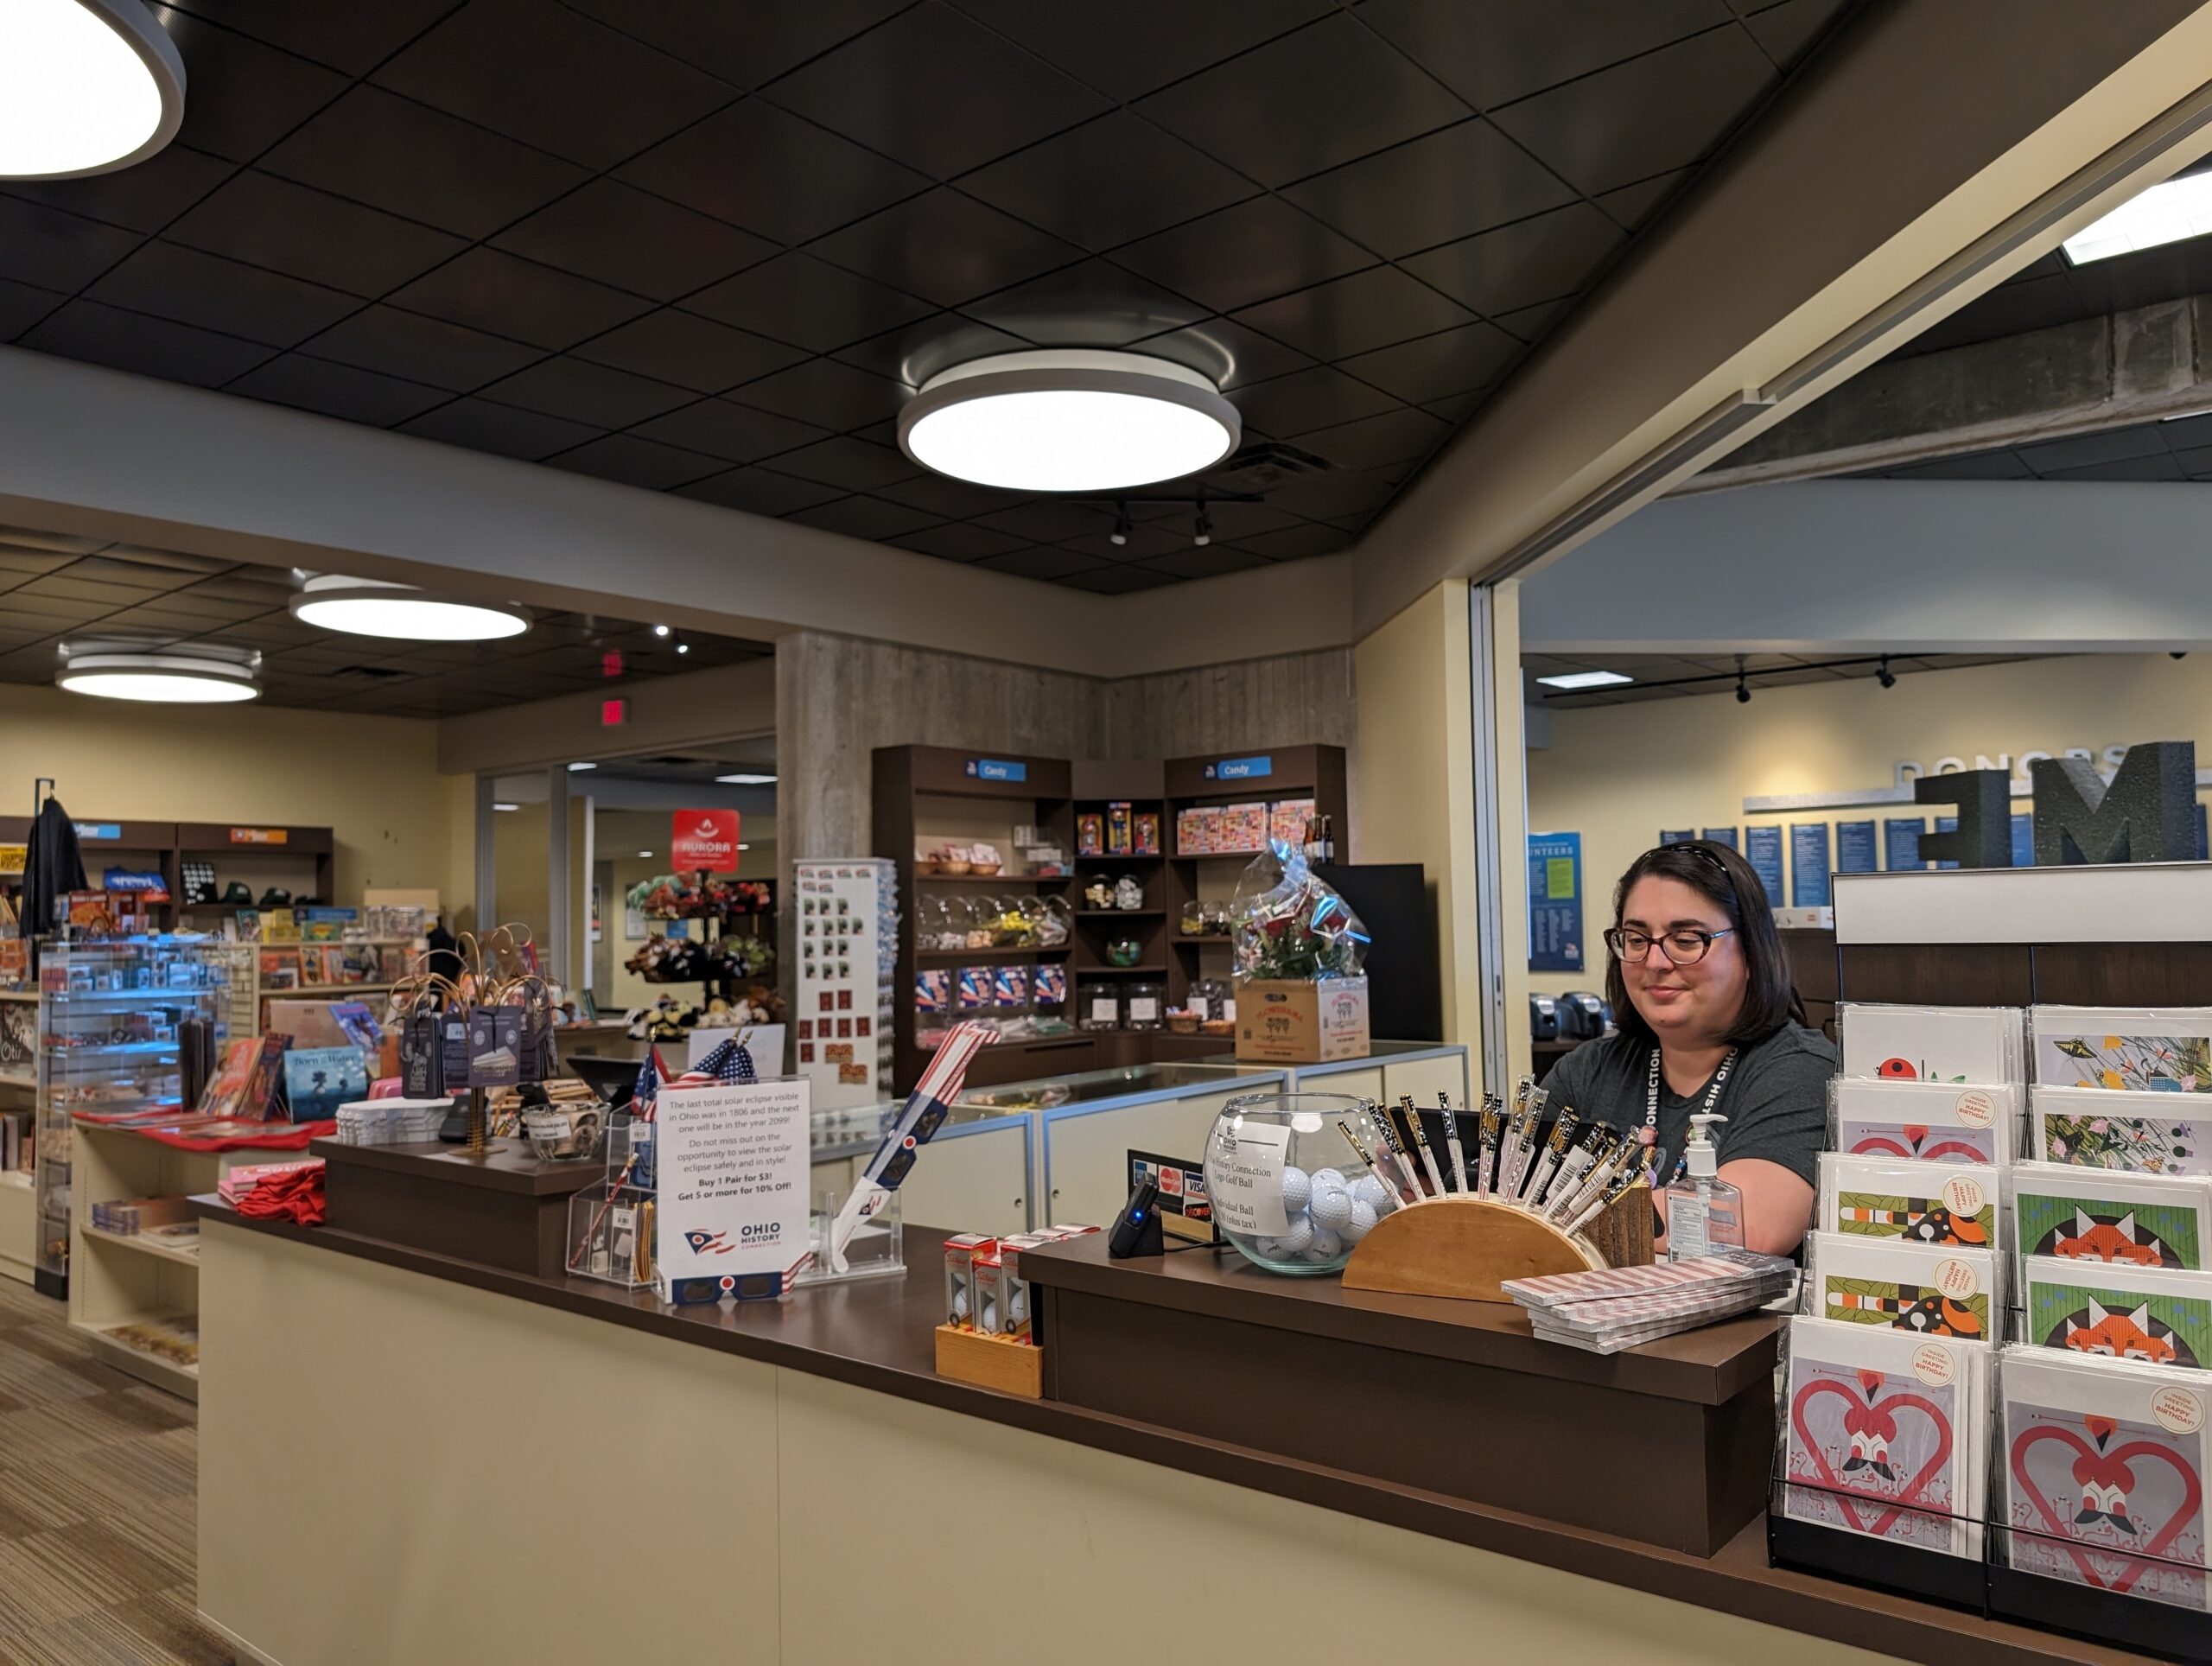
1775 1098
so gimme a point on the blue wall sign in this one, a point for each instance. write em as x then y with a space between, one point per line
1762 849
1855 851
1947 825
1676 835
1901 843
997 769
1240 769
109 830
1722 835
1809 866
1555 902
2023 840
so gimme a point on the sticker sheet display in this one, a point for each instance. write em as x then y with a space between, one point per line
2103 1474
2150 1132
1929 1289
1924 1122
2146 1314
1929 1044
2098 1215
848 945
1885 1435
1914 1203
2140 1050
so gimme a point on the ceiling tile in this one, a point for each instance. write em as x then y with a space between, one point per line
1632 204
357 395
1048 520
1446 185
69 586
2164 466
587 393
1129 48
565 83
245 96
722 430
914 352
746 45
1502 50
641 242
1337 495
1518 265
1369 309
1261 113
633 461
1233 355
772 172
1246 253
1207 561
1532 323
862 518
150 346
56 250
216 294
290 228
937 89
1983 465
799 299
1319 398
2108 445
1118 581
950 499
958 541
1109 180
1094 303
944 246
488 290
826 393
1665 110
143 197
22 306
842 461
1296 543
758 492
1041 564
1372 442
692 352
407 159
1437 366
1142 541
354 39
1787 31
509 431
419 349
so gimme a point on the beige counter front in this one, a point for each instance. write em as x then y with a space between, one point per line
405 1459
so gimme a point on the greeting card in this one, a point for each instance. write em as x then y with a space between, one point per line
1929 1289
1916 1202
2150 1132
1930 1044
2096 1215
1927 1121
1882 1433
2144 1314
2146 1049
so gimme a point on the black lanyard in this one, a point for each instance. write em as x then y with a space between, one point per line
1650 1134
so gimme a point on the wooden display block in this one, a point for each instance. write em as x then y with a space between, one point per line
1467 1247
999 1363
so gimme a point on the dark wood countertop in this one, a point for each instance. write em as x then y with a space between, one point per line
506 1166
878 1334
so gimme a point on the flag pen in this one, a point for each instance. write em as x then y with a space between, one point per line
1452 1141
1421 1143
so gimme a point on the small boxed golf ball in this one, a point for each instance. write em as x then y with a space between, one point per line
1331 1208
1012 1288
1297 1187
960 1254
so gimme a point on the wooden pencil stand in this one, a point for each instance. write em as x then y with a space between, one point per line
1467 1247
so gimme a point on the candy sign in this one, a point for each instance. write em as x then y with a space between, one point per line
703 841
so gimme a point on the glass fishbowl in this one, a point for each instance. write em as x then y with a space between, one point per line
1289 1189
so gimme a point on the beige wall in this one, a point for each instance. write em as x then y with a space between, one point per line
373 781
1618 774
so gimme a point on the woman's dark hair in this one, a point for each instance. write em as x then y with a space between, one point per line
1729 882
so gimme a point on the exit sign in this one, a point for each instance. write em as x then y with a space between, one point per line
613 714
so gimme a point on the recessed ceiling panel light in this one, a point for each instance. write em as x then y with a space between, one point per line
744 847
645 855
576 769
745 780
504 806
364 607
2164 213
1068 420
1585 680
86 87
170 678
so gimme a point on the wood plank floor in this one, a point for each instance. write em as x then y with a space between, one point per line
99 1476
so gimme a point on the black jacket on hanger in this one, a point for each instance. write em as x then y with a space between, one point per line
53 866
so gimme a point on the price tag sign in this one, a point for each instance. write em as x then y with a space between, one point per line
1244 1177
732 1162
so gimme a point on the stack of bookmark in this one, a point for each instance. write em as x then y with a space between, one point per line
1610 1308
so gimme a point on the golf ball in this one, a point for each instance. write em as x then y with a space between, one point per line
989 1322
1372 1193
1331 1208
1293 1242
1017 1307
1326 1246
960 1303
1297 1187
1362 1222
1334 1177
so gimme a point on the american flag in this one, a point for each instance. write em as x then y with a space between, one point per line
727 1063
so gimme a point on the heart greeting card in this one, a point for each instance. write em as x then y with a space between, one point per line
1924 1122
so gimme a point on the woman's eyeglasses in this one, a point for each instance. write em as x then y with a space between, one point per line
1684 947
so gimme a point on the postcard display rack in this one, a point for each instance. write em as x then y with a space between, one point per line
847 921
1999 1392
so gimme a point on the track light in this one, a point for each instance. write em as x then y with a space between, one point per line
1204 535
1120 534
1886 676
1743 693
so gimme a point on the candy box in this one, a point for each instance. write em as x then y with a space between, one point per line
1051 985
1311 1021
975 989
1010 986
960 1255
933 991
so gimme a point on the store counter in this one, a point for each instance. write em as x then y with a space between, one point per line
408 1456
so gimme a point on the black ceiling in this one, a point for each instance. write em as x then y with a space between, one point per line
1666 677
2179 448
54 588
706 247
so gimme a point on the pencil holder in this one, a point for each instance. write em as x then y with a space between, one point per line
1465 1248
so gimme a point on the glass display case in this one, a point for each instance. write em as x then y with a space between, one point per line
107 1049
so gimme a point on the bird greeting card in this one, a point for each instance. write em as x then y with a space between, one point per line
2151 1132
1924 1122
2150 1050
1929 1044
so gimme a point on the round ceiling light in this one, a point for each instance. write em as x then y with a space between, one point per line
86 87
172 678
1068 420
364 607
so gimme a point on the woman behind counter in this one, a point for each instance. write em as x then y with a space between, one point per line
1708 1020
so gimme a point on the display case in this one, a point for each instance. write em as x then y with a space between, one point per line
108 1052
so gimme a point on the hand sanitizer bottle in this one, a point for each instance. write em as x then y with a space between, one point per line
1704 1212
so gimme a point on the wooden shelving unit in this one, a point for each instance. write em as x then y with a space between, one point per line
1098 787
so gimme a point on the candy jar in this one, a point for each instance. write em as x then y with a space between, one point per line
1289 1190
1142 1006
1193 920
1124 952
1099 892
1128 893
1059 922
1102 1008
